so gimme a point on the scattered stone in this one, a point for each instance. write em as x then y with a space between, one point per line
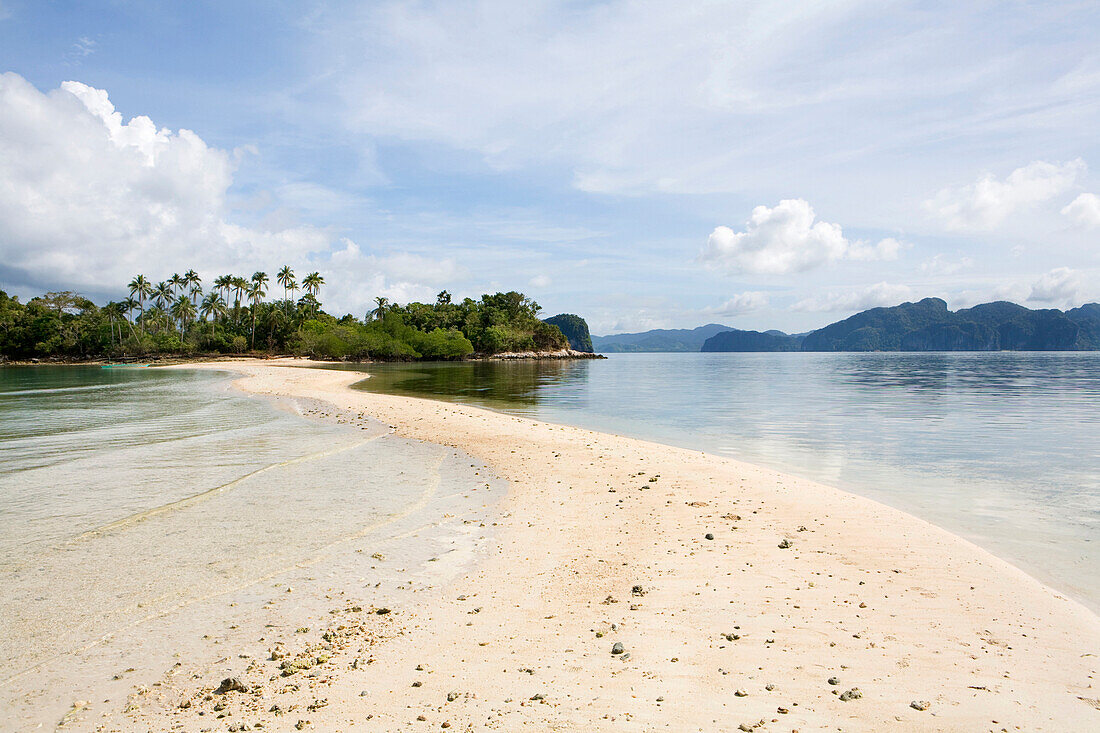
637 591
740 693
538 696
921 705
452 696
417 683
834 681
852 694
782 711
708 536
661 699
617 648
231 684
769 687
382 611
784 544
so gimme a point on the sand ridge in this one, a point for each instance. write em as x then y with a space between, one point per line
743 599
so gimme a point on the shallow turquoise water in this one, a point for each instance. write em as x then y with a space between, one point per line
1001 448
137 498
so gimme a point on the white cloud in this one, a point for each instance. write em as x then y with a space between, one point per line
986 203
1059 286
401 277
1084 210
644 96
941 265
540 281
87 200
885 249
786 239
747 302
880 294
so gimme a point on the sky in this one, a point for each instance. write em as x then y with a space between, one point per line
642 164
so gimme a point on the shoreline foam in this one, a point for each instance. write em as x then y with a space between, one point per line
875 598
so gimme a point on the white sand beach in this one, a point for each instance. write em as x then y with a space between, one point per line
743 599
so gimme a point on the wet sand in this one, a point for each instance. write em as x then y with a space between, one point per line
743 599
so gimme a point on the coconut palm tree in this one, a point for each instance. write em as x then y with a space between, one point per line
163 294
141 288
176 282
286 279
224 283
183 310
383 307
240 285
213 308
256 294
113 311
312 283
193 283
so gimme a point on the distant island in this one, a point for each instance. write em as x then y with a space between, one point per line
664 339
926 325
178 317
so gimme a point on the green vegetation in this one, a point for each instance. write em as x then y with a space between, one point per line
177 317
575 330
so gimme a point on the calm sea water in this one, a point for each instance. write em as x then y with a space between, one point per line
1003 449
136 498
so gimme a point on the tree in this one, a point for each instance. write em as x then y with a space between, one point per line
286 279
312 283
163 295
183 310
383 307
141 288
213 308
256 294
193 283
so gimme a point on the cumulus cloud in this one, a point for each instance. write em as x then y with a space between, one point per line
1060 285
88 199
880 294
986 203
1084 210
401 277
540 281
787 238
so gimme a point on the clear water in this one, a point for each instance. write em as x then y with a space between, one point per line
1003 449
134 499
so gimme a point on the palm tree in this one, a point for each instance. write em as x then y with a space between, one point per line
312 283
128 306
193 282
383 306
141 288
183 310
224 282
163 295
286 279
240 285
256 294
213 307
176 282
113 310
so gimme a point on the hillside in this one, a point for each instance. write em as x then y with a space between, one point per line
674 339
928 325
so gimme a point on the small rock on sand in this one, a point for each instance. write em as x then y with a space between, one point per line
784 544
852 694
617 648
231 684
920 705
709 536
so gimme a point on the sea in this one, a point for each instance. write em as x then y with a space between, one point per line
153 517
1000 448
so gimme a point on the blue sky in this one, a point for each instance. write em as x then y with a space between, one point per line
643 164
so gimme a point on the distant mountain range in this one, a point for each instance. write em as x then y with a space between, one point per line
926 325
665 339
